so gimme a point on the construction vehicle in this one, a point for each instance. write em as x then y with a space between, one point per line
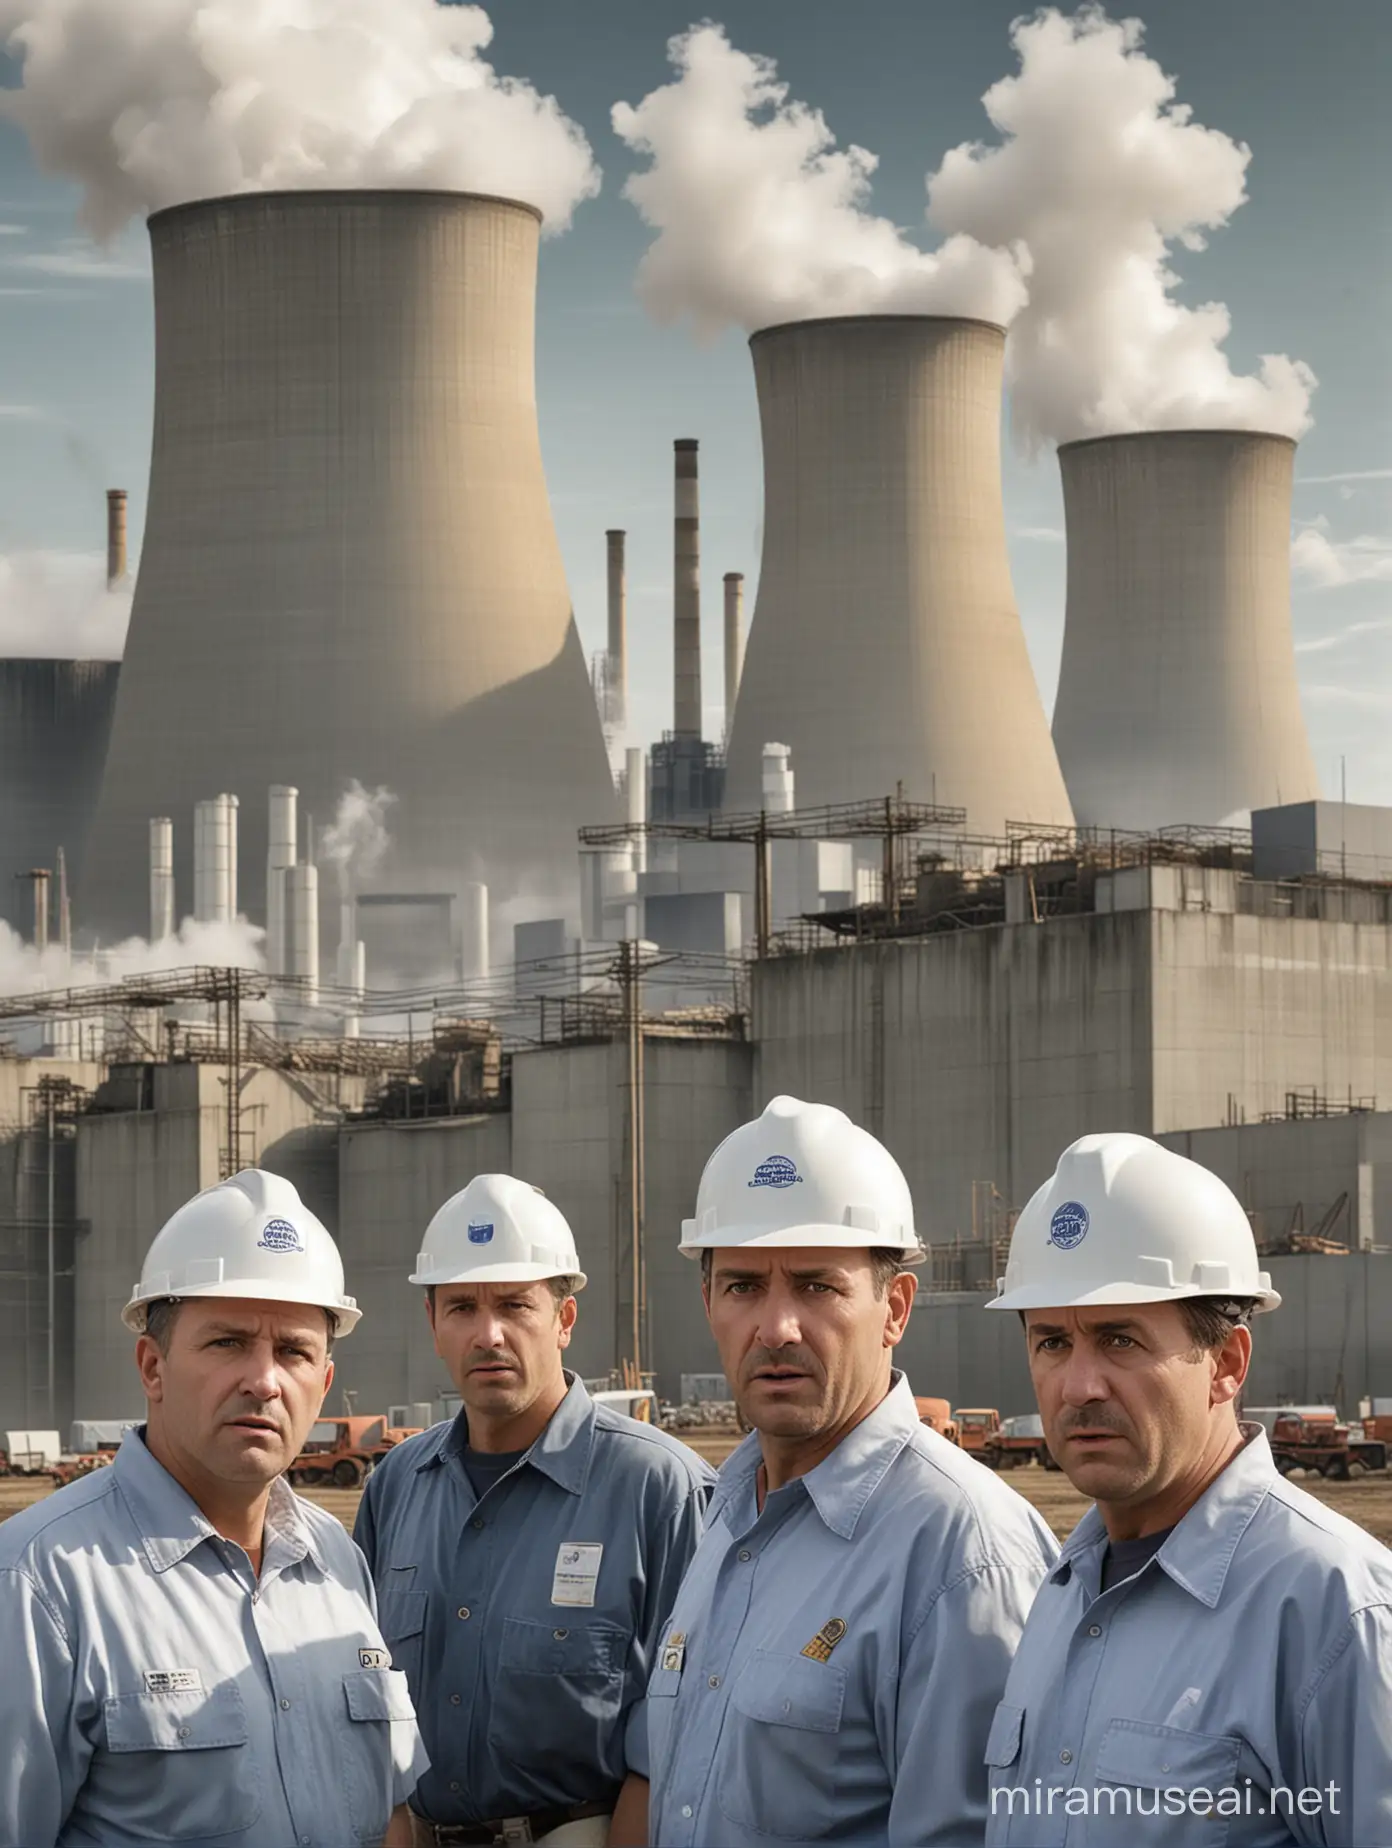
342 1452
1018 1443
1301 1440
977 1425
937 1415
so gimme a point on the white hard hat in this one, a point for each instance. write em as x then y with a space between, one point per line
251 1236
1126 1221
802 1174
498 1230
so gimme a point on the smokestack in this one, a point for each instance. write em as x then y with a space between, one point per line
302 919
777 780
618 628
473 960
406 319
1177 698
346 961
283 825
39 877
885 646
161 878
734 642
686 591
215 860
636 783
115 537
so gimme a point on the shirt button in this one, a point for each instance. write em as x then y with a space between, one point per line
745 1553
1065 1758
454 1786
454 1700
285 1706
1094 1629
686 1809
185 1731
560 1635
714 1681
463 1612
476 1525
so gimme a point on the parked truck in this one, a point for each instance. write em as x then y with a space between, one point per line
342 1452
1314 1437
937 1415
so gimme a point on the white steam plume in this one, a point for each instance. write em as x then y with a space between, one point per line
148 103
356 840
55 606
1098 172
26 970
760 218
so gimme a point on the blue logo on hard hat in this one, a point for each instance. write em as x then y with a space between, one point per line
480 1234
777 1171
1069 1225
279 1235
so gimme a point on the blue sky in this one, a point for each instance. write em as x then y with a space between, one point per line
1305 268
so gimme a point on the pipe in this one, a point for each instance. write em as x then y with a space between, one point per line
618 628
228 806
115 537
636 776
347 958
778 780
283 822
302 911
734 642
161 878
686 591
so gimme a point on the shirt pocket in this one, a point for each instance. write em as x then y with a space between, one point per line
1003 1740
1167 1782
376 1698
781 1746
556 1702
176 1767
401 1619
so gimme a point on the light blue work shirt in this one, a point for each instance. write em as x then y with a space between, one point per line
1252 1654
155 1689
523 1660
924 1565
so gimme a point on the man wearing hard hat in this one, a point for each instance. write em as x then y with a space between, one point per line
189 1648
832 1662
1211 1659
526 1554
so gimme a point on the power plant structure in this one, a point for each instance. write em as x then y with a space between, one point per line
1177 698
885 647
349 566
55 720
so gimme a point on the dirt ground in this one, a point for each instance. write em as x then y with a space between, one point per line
1367 1501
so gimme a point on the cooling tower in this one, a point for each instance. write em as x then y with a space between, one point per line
349 566
55 720
1177 697
885 646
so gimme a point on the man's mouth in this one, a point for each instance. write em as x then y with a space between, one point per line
267 1425
491 1369
780 1376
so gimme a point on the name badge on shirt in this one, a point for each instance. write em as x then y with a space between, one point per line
374 1658
577 1573
674 1652
172 1680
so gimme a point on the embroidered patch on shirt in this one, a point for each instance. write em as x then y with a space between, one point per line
826 1639
374 1658
172 1680
577 1573
674 1652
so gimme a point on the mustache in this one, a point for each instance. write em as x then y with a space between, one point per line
800 1357
490 1357
264 1410
1094 1418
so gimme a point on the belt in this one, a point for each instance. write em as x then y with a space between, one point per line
507 1829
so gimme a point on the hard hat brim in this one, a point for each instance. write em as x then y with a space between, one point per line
1122 1295
830 1238
346 1314
496 1273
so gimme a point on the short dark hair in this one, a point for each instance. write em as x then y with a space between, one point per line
560 1288
885 1265
160 1317
1210 1320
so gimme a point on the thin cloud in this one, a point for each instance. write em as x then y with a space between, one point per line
1378 625
14 230
23 413
1329 564
81 262
1355 474
1045 535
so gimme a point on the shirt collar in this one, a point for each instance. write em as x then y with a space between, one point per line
562 1452
842 1483
171 1523
1201 1547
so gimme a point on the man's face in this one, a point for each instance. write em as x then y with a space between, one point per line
243 1381
1127 1400
803 1337
502 1342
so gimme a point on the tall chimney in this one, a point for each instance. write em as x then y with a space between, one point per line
283 825
115 537
161 878
302 914
734 642
618 628
686 591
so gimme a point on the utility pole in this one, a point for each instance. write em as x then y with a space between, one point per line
52 1277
